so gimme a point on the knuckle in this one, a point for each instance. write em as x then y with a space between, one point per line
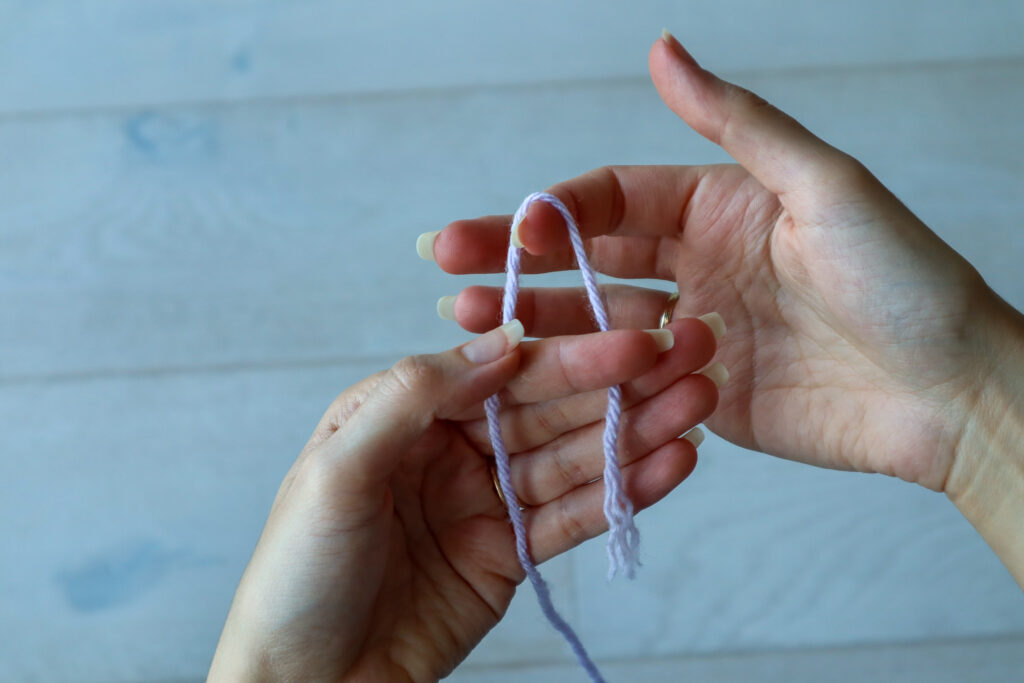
742 107
841 175
745 99
345 403
567 468
571 525
748 102
564 363
851 172
415 374
314 478
550 420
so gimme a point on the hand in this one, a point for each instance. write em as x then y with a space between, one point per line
857 337
388 555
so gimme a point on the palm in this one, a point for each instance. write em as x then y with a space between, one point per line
450 571
816 325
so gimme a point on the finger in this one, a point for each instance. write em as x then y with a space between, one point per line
549 312
528 426
413 394
553 368
646 204
577 516
480 245
782 154
577 457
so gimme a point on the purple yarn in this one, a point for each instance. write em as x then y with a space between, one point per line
623 538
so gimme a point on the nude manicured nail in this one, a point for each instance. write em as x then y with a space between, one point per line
663 338
514 239
717 373
677 47
716 323
493 345
446 307
695 436
425 245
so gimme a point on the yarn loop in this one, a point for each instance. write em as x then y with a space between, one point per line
623 537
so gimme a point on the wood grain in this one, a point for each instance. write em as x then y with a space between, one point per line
123 53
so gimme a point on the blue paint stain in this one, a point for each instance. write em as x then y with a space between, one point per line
241 61
118 577
168 136
134 130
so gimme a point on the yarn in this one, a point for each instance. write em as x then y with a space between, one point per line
623 537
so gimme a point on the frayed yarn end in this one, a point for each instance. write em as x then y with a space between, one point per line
623 542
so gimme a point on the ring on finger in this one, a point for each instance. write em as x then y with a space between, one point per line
670 308
493 468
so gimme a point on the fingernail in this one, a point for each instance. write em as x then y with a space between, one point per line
493 345
514 238
695 436
446 307
663 338
677 47
716 323
425 245
717 373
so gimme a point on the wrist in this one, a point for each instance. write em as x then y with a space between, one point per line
986 478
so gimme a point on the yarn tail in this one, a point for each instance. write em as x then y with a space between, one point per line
623 536
540 586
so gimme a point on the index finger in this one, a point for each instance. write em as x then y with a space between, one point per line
564 366
642 207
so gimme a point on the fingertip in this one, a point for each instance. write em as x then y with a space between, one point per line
478 308
694 345
686 461
639 349
542 230
663 338
468 246
425 245
675 49
659 473
717 373
446 307
716 323
695 436
687 88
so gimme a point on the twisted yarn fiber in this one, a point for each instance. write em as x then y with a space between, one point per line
623 537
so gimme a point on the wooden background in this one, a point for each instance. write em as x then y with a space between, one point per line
208 212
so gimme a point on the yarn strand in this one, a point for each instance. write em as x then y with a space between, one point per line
623 537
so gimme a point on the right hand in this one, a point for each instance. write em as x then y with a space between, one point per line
858 338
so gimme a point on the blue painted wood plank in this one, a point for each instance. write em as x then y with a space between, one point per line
59 55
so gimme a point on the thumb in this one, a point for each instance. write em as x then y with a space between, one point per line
780 153
414 393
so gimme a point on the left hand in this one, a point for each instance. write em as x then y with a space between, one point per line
388 555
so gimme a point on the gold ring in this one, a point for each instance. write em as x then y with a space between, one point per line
497 483
670 308
491 465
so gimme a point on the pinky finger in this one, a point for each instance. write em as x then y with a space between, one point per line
565 522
